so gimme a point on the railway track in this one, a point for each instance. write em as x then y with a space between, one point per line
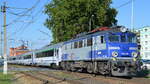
111 80
49 79
35 77
66 77
72 81
43 78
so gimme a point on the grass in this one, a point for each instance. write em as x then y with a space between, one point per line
5 79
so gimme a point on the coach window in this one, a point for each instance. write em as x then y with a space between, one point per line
27 57
145 30
45 54
14 59
51 53
146 36
89 42
80 44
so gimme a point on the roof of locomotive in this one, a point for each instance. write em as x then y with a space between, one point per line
110 31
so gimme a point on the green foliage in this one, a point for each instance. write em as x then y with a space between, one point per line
5 79
70 17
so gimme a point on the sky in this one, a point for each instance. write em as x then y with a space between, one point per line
30 27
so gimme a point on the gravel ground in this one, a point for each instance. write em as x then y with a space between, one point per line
65 77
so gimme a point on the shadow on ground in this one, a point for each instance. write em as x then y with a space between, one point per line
143 73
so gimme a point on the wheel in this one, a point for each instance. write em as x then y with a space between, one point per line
68 66
90 68
54 66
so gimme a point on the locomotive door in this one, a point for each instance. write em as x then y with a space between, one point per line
94 48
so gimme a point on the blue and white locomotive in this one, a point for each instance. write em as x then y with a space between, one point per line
105 50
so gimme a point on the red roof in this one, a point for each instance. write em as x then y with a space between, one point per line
101 29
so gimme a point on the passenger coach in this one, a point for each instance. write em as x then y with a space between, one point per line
48 56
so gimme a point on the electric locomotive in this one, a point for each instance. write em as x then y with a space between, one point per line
108 51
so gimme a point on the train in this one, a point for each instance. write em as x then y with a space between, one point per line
107 51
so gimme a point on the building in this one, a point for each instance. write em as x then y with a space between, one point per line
144 41
18 50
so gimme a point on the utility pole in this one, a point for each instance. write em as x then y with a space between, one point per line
3 8
90 22
132 16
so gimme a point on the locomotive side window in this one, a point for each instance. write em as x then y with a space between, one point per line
114 38
71 46
85 43
102 39
66 47
80 44
89 42
75 44
94 40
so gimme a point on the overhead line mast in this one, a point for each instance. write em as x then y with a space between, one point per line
3 9
132 16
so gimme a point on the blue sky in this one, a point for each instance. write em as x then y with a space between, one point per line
37 39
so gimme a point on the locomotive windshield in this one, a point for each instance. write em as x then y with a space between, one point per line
132 39
114 38
122 38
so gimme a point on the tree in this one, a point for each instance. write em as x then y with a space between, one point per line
70 17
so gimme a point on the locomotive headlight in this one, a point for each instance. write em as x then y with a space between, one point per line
114 54
134 54
123 29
